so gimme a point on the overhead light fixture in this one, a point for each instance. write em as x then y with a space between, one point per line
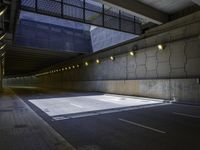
2 36
86 63
98 61
3 10
132 53
77 66
112 58
3 54
2 46
69 68
73 67
161 46
65 68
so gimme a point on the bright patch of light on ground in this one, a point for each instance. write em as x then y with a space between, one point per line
81 104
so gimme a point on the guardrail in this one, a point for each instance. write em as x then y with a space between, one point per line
86 11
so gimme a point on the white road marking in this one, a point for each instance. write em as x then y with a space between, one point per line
140 125
76 105
187 115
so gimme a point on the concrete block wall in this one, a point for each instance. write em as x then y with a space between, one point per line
180 59
169 74
102 38
22 81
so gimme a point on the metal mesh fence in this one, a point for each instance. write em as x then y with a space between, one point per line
28 5
86 11
49 7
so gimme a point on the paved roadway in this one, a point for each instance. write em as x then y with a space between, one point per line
162 127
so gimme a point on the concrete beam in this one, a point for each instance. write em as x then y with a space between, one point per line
13 7
139 9
196 2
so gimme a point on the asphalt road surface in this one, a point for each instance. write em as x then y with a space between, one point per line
150 126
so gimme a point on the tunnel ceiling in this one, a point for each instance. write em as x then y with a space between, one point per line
40 41
22 61
168 6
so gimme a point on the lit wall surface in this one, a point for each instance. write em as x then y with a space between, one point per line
103 38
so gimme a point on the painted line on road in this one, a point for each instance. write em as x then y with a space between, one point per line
76 105
140 125
104 112
186 115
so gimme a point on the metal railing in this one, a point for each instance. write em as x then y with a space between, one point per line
85 11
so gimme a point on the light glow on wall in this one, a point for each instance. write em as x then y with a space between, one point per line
112 58
86 63
98 61
161 47
132 53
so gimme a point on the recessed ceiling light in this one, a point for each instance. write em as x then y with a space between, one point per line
3 10
2 36
2 46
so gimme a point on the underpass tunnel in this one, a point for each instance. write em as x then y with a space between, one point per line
99 74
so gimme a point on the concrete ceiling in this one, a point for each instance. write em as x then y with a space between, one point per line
155 11
139 9
168 6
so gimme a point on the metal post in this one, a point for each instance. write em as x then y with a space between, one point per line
36 5
62 5
103 15
134 25
120 20
84 11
